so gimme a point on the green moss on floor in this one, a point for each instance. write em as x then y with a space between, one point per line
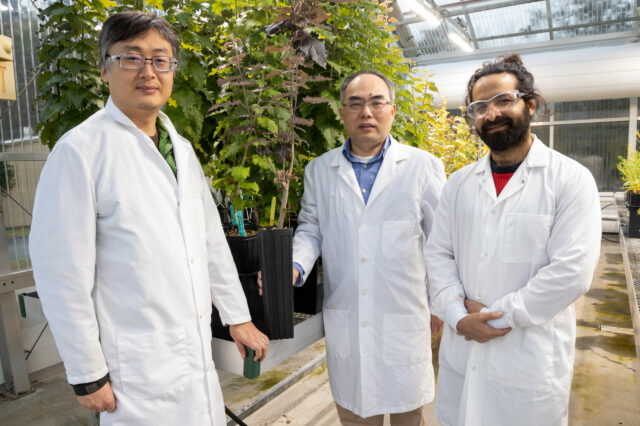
615 344
616 276
613 258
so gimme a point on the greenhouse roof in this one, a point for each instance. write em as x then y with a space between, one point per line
437 31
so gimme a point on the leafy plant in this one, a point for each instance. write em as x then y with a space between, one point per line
630 170
69 82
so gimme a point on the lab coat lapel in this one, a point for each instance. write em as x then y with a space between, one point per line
388 169
347 175
180 155
485 178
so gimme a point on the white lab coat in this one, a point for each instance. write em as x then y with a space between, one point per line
376 311
530 253
127 262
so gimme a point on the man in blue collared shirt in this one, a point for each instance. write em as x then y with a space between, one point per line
367 208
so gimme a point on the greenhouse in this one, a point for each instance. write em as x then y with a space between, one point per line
319 212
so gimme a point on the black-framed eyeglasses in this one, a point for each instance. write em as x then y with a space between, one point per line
135 61
502 102
375 104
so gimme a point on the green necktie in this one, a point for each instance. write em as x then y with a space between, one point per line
165 147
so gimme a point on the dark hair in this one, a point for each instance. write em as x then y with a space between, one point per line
348 80
134 23
512 64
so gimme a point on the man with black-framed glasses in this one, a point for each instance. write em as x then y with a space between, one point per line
367 208
128 250
515 242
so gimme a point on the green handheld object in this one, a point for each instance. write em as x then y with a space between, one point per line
251 367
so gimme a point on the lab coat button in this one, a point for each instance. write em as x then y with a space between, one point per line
363 260
192 260
364 324
364 292
473 368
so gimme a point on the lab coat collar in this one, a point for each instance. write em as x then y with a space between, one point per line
118 115
538 156
388 170
179 153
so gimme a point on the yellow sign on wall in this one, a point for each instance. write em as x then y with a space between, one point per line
7 77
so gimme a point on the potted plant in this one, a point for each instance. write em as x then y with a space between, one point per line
630 174
260 127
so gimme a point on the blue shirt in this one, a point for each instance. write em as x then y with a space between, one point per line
366 173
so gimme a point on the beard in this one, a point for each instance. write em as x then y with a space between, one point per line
513 136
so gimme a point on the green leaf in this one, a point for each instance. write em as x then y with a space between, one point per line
240 173
267 123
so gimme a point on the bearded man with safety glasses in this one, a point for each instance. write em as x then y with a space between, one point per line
128 250
515 242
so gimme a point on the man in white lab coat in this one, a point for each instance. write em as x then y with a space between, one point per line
367 208
515 242
128 251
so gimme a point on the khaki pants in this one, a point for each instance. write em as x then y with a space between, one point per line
410 418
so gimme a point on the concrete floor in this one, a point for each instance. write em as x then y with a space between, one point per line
606 382
605 391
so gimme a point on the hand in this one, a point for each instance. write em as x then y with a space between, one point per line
295 275
473 306
436 325
474 327
100 400
246 334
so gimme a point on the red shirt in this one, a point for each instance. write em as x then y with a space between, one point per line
502 174
500 180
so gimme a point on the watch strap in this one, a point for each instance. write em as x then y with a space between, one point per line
83 389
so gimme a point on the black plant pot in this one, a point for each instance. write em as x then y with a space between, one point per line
271 252
633 204
276 249
246 256
308 298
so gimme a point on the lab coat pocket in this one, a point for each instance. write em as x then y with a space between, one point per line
399 239
405 339
523 358
527 236
336 330
153 365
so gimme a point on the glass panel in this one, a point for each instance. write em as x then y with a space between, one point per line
597 146
576 12
542 133
603 108
509 20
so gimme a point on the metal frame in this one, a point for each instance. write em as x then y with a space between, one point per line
569 43
14 365
458 16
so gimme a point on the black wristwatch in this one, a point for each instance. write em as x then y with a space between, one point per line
83 389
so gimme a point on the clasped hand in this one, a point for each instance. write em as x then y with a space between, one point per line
475 325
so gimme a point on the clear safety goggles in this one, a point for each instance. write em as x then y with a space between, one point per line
502 102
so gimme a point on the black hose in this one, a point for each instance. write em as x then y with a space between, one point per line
234 417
